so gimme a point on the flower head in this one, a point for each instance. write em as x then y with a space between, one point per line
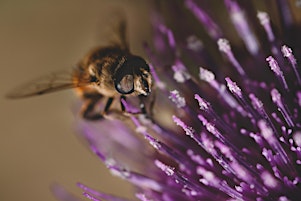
227 131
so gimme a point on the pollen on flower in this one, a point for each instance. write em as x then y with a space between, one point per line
180 72
233 87
208 176
188 130
266 132
242 27
204 105
269 180
288 53
283 198
155 144
297 138
276 69
224 45
263 17
193 43
274 65
257 104
276 96
168 170
177 99
265 22
206 75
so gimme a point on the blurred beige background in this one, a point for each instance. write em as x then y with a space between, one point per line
38 145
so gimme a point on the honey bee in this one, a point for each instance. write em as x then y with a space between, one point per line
111 72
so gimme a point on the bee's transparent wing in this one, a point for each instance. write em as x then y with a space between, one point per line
46 84
113 29
122 33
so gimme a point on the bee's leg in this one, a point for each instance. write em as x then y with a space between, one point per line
88 111
108 104
88 108
121 104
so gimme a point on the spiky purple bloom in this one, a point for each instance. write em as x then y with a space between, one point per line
227 131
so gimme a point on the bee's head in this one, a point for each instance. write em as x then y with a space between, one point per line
133 77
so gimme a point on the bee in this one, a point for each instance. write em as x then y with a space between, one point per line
111 72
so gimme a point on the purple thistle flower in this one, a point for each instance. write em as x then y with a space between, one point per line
227 131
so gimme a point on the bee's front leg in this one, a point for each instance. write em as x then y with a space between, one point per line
108 104
126 113
121 103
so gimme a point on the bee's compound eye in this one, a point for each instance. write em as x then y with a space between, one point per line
126 85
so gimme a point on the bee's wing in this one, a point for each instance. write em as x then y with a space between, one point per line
118 26
115 30
122 33
46 84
